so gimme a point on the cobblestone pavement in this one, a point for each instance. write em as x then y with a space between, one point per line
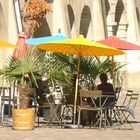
45 133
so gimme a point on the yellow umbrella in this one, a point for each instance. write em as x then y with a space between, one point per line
79 46
5 44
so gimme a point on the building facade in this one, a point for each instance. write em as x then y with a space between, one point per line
95 19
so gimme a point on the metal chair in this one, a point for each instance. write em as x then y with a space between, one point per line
8 93
130 109
68 108
117 93
124 103
108 101
127 99
6 103
123 113
94 105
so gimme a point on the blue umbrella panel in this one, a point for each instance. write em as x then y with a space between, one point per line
40 40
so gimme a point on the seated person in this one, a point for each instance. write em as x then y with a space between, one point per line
106 87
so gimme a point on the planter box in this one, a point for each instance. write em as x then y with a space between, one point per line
23 119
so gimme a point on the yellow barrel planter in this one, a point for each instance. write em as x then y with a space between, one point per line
23 119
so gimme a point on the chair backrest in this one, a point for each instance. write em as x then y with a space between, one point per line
127 98
90 95
132 104
117 92
133 100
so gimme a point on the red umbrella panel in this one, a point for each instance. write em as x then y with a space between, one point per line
120 44
22 49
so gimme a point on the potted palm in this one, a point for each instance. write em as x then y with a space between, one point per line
25 72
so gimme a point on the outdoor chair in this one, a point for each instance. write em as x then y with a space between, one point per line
8 100
6 103
94 106
124 112
127 98
130 108
117 93
68 108
125 102
67 113
50 109
108 100
43 111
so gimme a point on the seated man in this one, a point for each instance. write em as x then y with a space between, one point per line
106 87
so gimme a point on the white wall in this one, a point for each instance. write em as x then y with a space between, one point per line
8 28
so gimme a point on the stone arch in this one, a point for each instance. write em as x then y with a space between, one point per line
85 20
71 15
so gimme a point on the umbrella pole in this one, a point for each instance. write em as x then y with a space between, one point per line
112 72
76 90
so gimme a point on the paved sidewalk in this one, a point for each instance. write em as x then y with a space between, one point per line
7 133
43 133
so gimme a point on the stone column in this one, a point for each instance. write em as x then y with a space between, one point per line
133 59
133 28
97 22
111 24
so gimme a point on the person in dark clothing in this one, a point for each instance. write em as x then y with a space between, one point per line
104 86
107 89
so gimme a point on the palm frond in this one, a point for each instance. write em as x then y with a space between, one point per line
32 64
